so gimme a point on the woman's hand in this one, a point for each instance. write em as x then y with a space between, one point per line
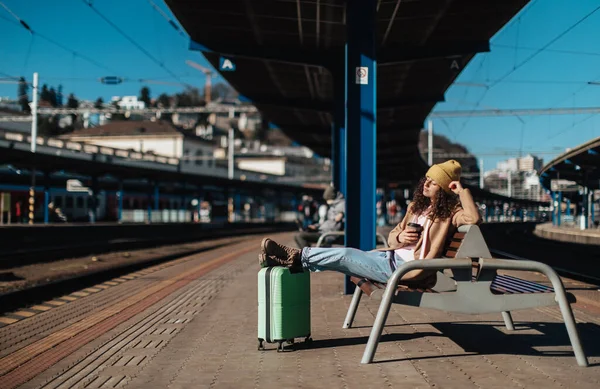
408 236
455 187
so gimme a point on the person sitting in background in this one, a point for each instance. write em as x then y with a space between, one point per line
334 220
440 205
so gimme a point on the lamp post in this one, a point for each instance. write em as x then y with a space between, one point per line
34 108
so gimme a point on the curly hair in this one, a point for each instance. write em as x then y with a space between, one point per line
444 203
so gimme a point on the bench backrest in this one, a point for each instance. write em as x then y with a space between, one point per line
467 242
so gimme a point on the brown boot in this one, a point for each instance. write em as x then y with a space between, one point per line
265 260
286 256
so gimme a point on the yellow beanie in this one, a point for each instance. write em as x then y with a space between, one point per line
445 173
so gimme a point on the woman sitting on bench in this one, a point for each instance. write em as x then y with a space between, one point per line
440 205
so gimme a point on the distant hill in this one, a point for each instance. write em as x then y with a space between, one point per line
444 149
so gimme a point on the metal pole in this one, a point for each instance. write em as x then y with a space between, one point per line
509 184
46 202
430 143
361 121
230 155
559 209
120 202
34 109
481 183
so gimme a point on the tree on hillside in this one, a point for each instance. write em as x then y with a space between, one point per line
189 98
72 101
53 97
99 104
59 96
22 95
223 91
145 96
164 101
45 93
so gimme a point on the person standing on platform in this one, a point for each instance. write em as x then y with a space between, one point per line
440 205
333 222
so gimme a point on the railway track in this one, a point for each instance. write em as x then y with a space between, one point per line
37 250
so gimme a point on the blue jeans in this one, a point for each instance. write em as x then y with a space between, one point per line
374 265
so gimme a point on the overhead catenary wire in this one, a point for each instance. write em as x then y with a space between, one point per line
131 40
57 44
536 53
541 49
21 21
166 17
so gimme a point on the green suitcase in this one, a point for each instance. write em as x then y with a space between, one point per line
283 306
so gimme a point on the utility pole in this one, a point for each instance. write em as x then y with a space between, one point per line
509 183
230 147
34 108
430 143
481 183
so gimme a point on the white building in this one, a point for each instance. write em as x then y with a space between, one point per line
128 102
510 165
152 137
530 163
524 164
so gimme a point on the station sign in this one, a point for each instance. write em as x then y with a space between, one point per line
226 65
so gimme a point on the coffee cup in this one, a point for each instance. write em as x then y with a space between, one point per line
417 227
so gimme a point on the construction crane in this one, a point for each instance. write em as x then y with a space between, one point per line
209 75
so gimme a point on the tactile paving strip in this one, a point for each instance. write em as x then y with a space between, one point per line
19 366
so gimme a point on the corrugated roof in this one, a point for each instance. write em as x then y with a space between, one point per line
580 164
283 51
128 128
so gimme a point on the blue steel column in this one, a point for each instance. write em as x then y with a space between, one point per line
156 197
46 202
553 195
361 119
339 124
120 202
46 197
558 211
149 202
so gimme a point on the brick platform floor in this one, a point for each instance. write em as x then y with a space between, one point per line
217 346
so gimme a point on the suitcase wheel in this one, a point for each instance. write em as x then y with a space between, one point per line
260 345
280 347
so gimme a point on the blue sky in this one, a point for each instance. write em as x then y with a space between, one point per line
550 79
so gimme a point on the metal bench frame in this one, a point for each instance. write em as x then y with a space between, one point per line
342 233
462 293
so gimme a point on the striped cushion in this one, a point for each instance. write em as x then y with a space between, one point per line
504 284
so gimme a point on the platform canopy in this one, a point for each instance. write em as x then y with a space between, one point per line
580 164
287 54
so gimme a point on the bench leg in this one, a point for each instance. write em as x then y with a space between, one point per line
567 313
353 308
382 314
508 321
